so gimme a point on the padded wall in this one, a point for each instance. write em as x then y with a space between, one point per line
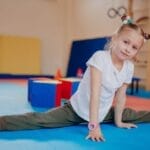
20 55
81 51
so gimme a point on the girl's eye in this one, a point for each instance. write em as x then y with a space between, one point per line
126 42
134 47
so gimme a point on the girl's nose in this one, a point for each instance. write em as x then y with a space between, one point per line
127 50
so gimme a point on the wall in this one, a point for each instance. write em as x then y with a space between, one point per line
148 69
90 18
58 22
36 18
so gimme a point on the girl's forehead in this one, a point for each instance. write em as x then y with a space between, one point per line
132 35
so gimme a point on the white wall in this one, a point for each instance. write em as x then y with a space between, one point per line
58 22
90 18
36 18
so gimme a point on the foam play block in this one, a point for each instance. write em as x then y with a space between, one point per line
30 82
45 93
69 86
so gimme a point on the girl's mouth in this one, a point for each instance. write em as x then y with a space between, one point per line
124 54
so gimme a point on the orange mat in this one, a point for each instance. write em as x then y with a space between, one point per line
16 81
138 103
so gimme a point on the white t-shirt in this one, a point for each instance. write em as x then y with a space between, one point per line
112 79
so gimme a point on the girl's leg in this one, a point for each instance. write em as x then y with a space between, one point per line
57 117
130 115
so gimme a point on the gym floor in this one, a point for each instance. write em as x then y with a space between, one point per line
13 100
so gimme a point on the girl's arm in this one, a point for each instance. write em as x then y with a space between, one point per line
119 107
95 83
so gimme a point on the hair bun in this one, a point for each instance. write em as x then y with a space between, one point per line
147 36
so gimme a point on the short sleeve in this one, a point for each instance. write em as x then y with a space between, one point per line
130 72
96 60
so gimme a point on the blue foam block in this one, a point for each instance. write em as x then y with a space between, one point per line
74 87
43 95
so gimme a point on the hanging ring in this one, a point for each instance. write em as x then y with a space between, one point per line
112 12
121 10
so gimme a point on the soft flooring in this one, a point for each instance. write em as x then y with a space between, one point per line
13 100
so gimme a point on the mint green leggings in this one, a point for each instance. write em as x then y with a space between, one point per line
61 117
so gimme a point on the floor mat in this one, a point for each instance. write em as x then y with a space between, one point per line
13 100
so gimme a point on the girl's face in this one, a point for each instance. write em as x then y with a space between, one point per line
127 44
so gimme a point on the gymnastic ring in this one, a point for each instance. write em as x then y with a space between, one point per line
112 12
121 10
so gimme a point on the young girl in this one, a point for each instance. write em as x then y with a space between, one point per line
107 77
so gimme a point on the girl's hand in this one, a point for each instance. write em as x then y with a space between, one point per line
95 135
126 125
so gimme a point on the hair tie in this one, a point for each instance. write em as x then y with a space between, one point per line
126 19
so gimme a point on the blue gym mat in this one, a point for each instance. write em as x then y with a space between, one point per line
13 100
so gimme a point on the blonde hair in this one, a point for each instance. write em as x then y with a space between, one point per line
132 26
